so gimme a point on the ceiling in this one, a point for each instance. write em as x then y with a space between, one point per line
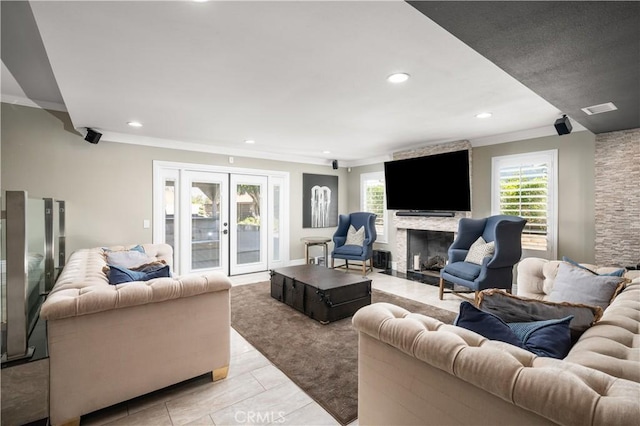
303 77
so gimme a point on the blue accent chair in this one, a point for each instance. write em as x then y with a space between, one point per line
354 252
496 271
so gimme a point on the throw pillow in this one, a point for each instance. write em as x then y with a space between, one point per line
512 308
119 275
617 273
485 324
550 338
544 338
479 250
355 238
127 258
577 285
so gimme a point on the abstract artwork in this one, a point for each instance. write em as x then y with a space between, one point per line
319 201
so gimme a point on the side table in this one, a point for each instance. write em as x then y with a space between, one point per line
316 241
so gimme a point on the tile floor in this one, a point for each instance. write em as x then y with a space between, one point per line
255 391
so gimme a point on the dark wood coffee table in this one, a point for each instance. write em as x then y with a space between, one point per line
323 294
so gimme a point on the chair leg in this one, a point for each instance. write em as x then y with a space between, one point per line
332 263
441 288
364 268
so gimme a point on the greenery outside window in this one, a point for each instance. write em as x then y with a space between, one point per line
525 185
372 199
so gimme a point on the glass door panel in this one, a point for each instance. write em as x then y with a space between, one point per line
206 204
170 212
249 241
205 225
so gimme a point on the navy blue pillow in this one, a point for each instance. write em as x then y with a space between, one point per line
485 324
119 275
549 338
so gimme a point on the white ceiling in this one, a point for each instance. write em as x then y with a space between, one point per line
298 77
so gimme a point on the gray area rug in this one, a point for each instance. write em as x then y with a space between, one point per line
321 359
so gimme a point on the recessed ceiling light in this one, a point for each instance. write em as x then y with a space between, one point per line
249 141
134 124
400 77
484 115
326 152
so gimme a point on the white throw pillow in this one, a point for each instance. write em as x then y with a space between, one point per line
127 258
355 238
479 250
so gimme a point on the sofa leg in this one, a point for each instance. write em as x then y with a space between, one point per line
220 373
441 288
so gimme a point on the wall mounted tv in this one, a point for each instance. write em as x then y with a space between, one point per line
432 183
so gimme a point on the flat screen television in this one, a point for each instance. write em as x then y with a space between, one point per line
432 183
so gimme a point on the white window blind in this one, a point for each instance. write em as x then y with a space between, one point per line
524 186
372 200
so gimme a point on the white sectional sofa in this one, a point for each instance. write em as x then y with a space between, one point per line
110 343
413 369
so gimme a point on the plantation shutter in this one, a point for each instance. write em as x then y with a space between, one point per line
524 193
525 185
373 201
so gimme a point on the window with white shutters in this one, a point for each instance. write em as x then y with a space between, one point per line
372 199
525 185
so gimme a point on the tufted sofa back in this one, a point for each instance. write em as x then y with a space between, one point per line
536 276
564 392
83 288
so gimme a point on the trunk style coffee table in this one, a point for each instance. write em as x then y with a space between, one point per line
323 294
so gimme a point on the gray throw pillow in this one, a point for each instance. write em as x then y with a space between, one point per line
577 285
479 250
355 238
514 309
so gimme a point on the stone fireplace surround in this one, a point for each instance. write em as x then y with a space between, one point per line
404 223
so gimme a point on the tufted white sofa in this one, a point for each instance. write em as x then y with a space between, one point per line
413 369
110 343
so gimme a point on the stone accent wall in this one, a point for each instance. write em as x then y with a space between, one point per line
403 223
433 149
617 198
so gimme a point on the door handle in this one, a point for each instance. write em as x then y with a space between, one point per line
225 232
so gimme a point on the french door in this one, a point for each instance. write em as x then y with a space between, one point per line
248 199
218 219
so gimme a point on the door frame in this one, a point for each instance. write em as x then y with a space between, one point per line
282 178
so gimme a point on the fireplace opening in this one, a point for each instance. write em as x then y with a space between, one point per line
427 251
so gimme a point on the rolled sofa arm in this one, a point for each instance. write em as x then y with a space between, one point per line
560 391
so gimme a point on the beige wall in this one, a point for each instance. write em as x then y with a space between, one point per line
576 225
108 187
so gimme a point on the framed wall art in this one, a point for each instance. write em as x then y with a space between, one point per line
319 201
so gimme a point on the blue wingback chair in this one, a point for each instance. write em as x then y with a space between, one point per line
496 271
354 252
